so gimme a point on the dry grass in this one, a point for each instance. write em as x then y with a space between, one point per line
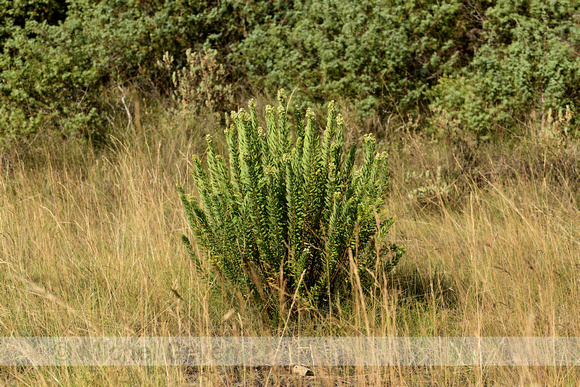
89 245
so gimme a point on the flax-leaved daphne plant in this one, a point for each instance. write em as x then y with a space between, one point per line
291 215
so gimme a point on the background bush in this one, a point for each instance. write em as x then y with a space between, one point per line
486 63
528 62
58 58
385 53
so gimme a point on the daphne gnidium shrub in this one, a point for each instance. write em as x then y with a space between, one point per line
291 214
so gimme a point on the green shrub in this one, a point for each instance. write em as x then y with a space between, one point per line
528 63
15 14
486 63
58 58
288 212
380 54
53 76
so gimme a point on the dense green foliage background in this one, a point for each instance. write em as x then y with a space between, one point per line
486 64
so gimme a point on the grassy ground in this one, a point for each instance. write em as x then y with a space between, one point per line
89 245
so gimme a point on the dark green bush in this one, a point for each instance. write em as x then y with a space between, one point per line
528 63
286 216
383 54
15 14
486 63
53 75
58 57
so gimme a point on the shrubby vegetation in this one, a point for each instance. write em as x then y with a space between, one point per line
386 54
58 58
486 64
287 216
528 62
